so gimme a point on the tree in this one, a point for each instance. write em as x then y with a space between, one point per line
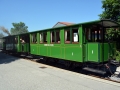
18 28
1 35
111 10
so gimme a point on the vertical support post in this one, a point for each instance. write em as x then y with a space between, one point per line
81 37
81 42
30 38
71 36
55 36
62 36
18 47
103 36
38 37
48 37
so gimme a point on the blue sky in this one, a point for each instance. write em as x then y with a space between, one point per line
41 14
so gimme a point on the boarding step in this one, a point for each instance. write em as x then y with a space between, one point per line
94 70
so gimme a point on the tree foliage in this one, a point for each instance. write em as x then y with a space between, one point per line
18 28
111 10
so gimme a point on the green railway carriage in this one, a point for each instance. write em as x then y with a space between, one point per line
84 42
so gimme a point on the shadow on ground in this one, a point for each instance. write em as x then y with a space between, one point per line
5 58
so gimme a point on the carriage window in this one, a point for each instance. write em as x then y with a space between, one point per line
23 39
72 36
67 36
52 37
41 37
45 37
93 34
8 40
34 38
16 40
57 36
75 36
11 39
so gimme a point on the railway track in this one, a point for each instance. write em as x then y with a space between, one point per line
37 60
104 78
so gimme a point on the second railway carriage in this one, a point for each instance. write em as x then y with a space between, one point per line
79 43
84 42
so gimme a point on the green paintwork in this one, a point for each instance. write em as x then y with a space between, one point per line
68 52
64 51
24 47
95 52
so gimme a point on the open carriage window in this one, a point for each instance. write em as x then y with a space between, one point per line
72 35
41 37
93 34
8 40
44 37
67 36
16 40
52 37
55 36
75 35
34 38
23 39
11 40
57 33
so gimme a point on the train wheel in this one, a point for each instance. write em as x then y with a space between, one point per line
76 65
56 60
67 64
46 60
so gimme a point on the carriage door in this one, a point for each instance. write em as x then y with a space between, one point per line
92 46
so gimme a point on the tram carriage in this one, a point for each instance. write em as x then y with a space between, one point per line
82 43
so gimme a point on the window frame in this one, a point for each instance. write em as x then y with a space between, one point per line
93 34
16 40
65 37
59 37
71 36
32 38
75 28
51 37
55 37
45 32
41 33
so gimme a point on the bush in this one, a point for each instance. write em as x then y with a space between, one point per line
118 55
